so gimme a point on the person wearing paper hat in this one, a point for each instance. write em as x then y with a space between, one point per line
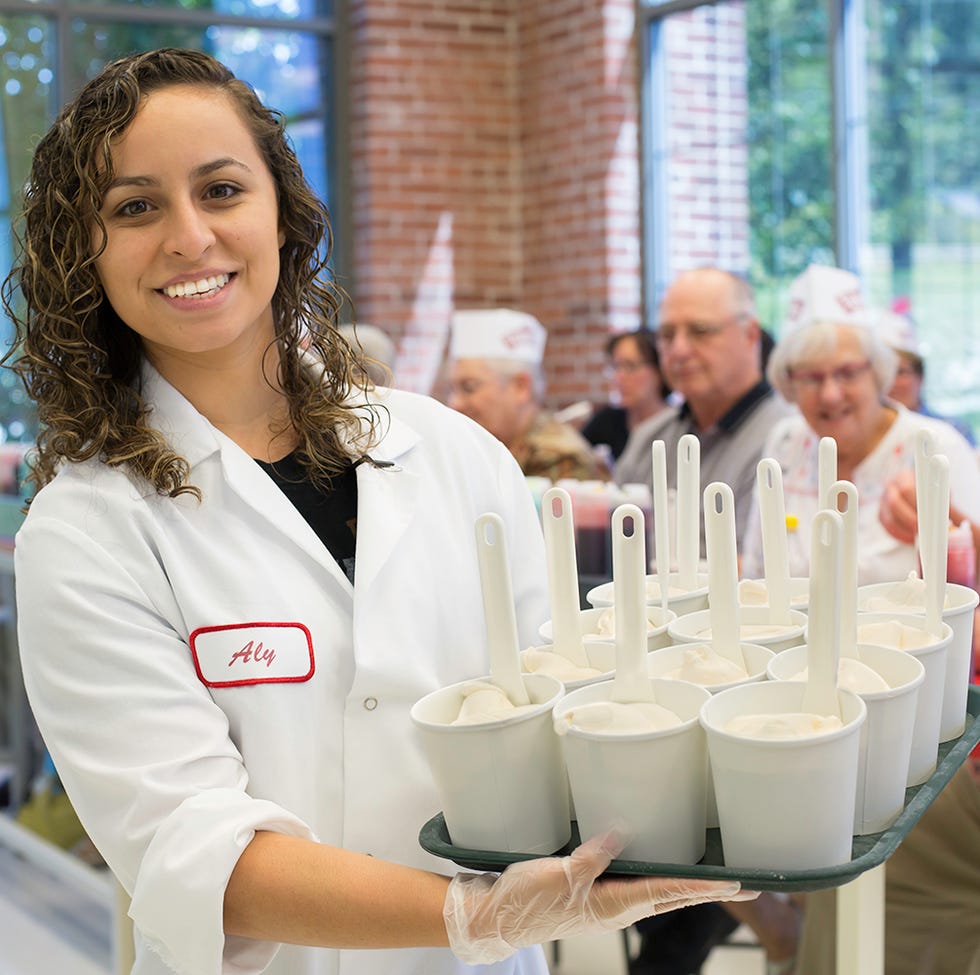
496 380
898 331
837 369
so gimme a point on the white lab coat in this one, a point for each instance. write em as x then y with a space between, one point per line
175 749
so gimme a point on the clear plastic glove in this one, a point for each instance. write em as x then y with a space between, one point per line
488 917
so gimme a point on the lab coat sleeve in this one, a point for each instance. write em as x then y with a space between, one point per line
143 751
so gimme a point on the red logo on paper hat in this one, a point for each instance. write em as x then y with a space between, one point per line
851 301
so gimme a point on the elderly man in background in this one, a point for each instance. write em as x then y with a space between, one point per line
496 379
710 353
709 342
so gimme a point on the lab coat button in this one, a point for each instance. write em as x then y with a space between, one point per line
370 703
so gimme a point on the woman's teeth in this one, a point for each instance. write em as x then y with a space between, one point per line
203 288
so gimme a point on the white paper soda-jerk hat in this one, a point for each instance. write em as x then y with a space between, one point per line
497 333
825 294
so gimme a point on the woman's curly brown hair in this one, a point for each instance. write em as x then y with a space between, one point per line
80 363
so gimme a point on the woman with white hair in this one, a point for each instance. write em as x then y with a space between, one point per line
837 370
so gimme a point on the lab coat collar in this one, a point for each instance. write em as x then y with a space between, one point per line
383 484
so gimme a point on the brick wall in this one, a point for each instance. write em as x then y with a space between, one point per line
494 161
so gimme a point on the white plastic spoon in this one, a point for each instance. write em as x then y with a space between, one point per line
688 510
559 540
719 536
826 470
925 447
845 491
823 625
498 608
775 555
631 683
661 521
935 540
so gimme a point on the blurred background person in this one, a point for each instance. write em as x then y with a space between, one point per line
899 331
710 347
375 348
837 369
639 390
496 379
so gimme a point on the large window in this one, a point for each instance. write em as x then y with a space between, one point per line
283 48
782 132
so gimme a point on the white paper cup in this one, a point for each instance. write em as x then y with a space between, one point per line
783 804
692 628
752 592
651 786
681 603
886 735
929 699
502 784
601 656
589 620
661 662
958 614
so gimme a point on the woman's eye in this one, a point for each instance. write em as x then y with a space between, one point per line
134 208
222 191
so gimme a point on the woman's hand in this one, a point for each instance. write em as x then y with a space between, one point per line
488 917
897 508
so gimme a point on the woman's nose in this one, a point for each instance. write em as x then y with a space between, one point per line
189 234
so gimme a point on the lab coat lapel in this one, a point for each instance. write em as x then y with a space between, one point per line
197 440
387 497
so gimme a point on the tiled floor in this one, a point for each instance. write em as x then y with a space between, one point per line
46 926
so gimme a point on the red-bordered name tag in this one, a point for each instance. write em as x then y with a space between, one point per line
237 654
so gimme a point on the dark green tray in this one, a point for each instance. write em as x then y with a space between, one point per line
866 852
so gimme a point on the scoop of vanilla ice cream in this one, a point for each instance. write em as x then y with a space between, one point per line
605 627
487 702
606 623
752 632
895 634
536 660
753 592
853 675
793 724
704 666
653 589
907 596
614 718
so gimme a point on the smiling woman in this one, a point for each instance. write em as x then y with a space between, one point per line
837 369
229 518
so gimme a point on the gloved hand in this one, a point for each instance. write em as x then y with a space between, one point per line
489 917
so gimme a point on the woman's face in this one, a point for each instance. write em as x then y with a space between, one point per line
191 258
838 394
636 381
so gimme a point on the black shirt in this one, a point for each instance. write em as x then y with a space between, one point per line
608 426
331 511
